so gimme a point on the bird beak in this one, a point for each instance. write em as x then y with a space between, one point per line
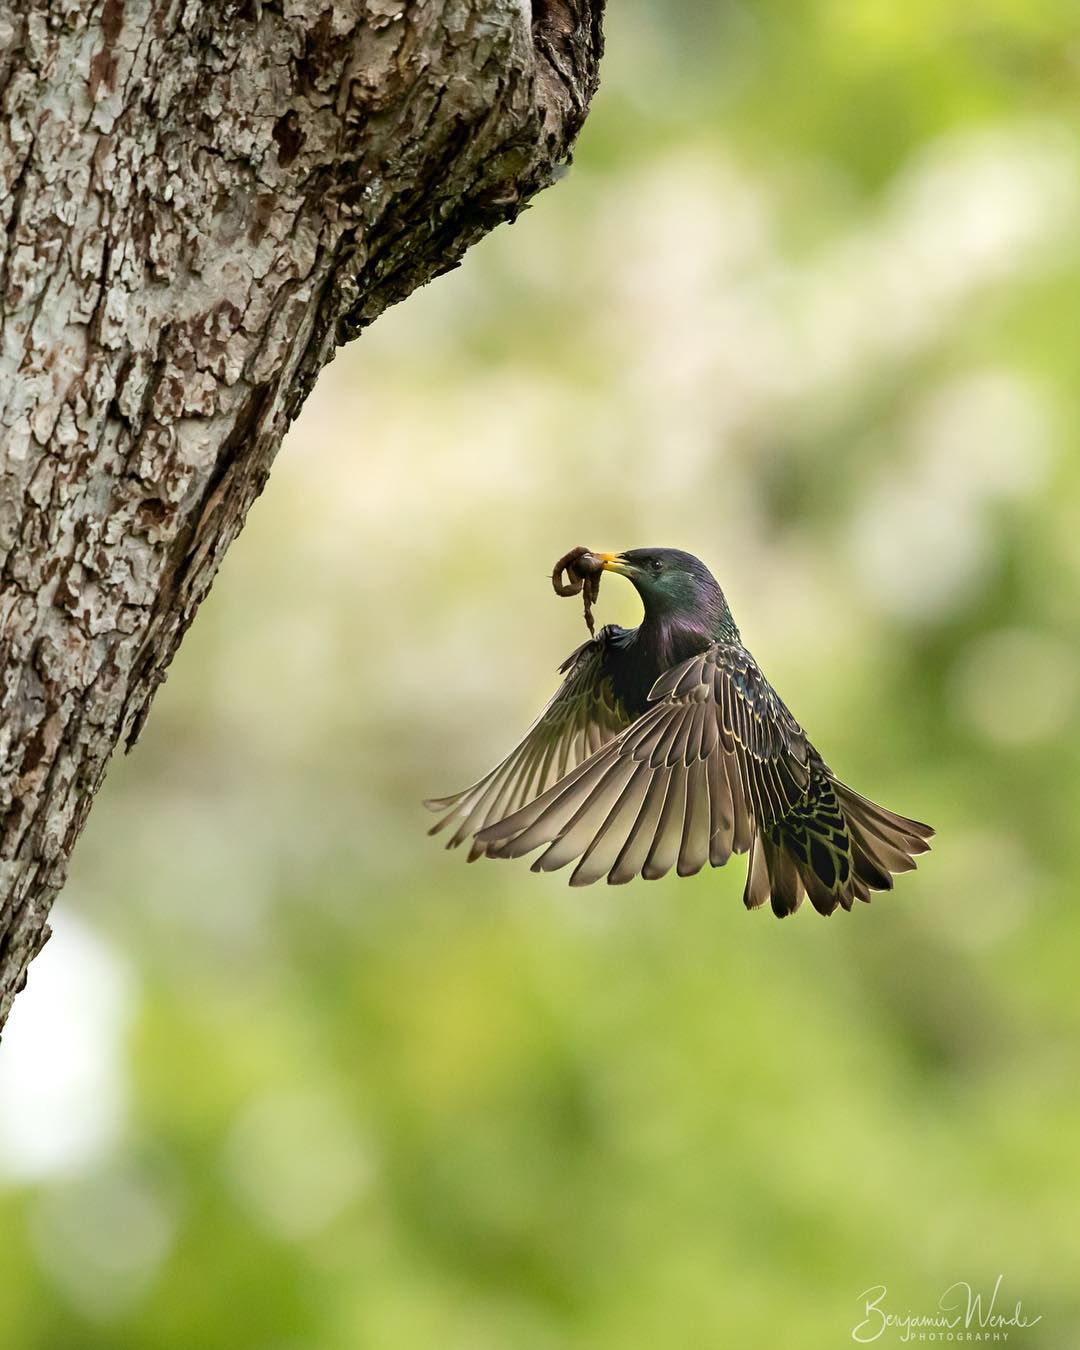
611 562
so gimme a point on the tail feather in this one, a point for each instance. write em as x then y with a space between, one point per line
784 880
835 846
901 830
758 882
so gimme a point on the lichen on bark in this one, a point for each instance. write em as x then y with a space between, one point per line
199 201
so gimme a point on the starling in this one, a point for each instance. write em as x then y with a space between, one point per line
666 747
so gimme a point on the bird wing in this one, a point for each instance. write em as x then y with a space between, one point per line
716 757
582 716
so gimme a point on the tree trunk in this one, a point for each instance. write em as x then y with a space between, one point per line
201 199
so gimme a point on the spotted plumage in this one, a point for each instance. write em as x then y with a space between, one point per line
666 748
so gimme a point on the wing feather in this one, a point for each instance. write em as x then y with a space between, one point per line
602 853
580 719
715 757
694 849
664 850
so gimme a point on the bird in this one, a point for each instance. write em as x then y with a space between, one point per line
665 747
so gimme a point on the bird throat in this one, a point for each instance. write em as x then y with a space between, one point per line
645 652
669 639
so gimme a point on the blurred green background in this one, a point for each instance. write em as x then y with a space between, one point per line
290 1076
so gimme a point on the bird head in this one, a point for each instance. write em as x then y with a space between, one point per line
672 584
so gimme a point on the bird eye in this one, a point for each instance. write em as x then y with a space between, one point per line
656 565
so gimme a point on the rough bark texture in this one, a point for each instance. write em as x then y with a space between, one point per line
199 199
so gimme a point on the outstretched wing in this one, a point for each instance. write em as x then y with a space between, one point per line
583 716
714 759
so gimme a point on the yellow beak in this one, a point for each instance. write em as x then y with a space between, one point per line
612 562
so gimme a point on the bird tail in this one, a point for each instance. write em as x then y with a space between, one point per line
835 846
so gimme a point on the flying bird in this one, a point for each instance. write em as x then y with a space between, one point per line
666 747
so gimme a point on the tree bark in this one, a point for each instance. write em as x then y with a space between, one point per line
200 200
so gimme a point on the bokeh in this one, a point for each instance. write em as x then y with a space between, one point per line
291 1077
